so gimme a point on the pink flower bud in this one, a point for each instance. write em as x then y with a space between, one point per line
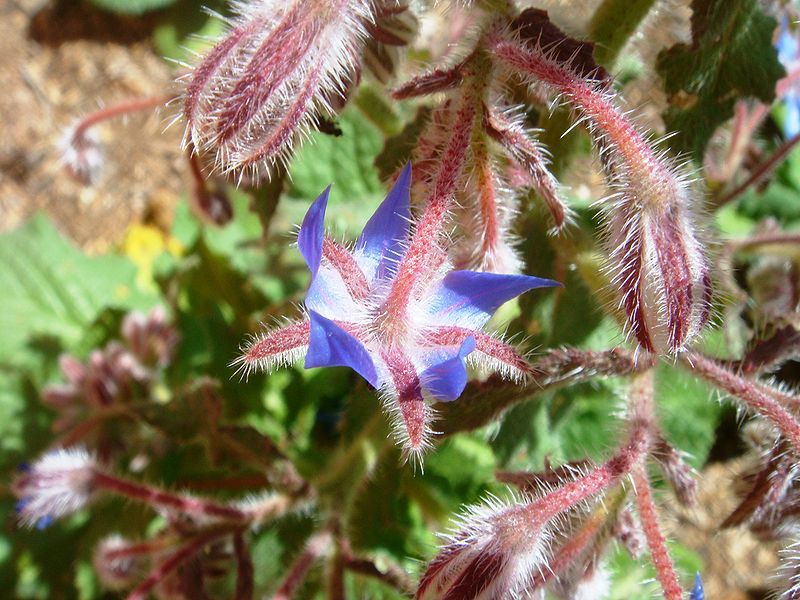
280 67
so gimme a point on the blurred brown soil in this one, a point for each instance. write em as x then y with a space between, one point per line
738 566
60 61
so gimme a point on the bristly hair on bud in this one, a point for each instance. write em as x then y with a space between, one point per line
282 65
58 484
657 260
497 549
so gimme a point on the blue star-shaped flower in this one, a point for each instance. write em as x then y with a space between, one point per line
410 351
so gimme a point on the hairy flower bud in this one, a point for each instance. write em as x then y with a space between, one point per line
494 555
280 67
58 484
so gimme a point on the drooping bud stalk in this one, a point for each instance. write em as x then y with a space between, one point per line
262 87
770 404
81 150
656 257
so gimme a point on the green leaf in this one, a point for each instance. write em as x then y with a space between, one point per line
731 57
48 287
132 7
186 29
688 411
345 161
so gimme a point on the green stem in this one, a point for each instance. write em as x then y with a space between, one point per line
612 25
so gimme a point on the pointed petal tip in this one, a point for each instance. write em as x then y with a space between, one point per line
446 380
331 346
309 238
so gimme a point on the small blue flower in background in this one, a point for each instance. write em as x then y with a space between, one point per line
697 592
788 54
410 354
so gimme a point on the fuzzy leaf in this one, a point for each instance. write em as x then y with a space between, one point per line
48 287
731 57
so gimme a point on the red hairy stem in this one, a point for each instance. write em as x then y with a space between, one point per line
487 196
438 80
530 156
755 396
427 238
659 262
340 259
116 110
244 568
760 172
138 548
665 571
631 454
589 97
182 555
316 546
161 499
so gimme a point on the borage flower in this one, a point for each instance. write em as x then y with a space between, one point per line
410 354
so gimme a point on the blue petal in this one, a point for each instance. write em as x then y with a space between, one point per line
446 380
470 298
791 120
384 235
312 231
697 591
331 346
